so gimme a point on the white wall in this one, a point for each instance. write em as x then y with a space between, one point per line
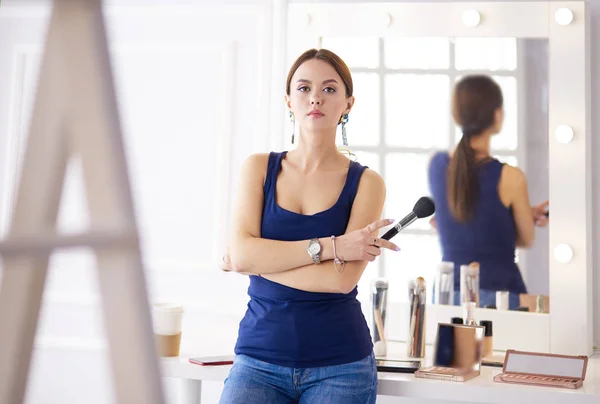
595 84
194 94
169 102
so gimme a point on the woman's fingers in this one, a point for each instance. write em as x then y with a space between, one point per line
372 250
382 243
371 228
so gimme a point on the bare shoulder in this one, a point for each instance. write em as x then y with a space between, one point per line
255 165
512 186
371 183
257 161
514 177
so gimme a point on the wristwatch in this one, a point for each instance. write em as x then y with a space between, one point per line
314 250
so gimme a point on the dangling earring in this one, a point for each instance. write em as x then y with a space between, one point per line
344 121
293 125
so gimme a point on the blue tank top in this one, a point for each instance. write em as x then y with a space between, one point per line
290 327
488 238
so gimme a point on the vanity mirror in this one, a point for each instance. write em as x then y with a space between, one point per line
403 88
405 58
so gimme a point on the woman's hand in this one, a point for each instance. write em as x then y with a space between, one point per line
433 223
539 214
226 263
361 245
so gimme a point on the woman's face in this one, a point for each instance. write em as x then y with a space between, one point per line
318 96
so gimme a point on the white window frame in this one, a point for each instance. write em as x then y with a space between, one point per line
382 149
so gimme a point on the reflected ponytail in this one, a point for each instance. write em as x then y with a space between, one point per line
463 187
475 101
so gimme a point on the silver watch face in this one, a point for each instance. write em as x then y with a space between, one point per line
314 248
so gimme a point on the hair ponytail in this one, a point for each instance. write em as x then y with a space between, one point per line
476 99
463 186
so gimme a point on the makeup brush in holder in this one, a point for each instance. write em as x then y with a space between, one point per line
379 290
469 283
444 284
416 330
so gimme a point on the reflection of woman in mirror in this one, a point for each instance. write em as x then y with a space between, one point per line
304 335
482 205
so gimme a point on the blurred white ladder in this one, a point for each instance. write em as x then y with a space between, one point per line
75 113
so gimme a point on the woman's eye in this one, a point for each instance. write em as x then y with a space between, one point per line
303 88
329 90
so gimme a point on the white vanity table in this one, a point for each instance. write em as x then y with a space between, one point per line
481 389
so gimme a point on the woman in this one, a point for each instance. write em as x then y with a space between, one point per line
482 205
306 224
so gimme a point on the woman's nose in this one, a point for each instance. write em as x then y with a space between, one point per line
315 101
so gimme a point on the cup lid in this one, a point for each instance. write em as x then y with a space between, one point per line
457 320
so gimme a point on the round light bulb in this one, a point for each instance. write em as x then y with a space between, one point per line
471 18
308 20
564 133
388 20
563 16
563 253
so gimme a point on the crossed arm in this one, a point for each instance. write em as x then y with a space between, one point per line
287 262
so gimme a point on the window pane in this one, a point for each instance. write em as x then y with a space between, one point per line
406 176
507 139
417 110
362 128
419 256
368 159
356 52
486 53
417 53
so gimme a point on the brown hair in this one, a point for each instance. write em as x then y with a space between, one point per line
327 56
474 104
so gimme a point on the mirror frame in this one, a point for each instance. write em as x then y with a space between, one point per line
568 329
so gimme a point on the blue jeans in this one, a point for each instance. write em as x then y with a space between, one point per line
251 381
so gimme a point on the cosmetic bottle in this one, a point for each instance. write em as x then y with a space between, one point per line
502 299
488 342
469 313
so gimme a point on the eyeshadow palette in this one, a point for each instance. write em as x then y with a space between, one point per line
539 369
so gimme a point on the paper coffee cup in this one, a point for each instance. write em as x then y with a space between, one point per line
167 319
